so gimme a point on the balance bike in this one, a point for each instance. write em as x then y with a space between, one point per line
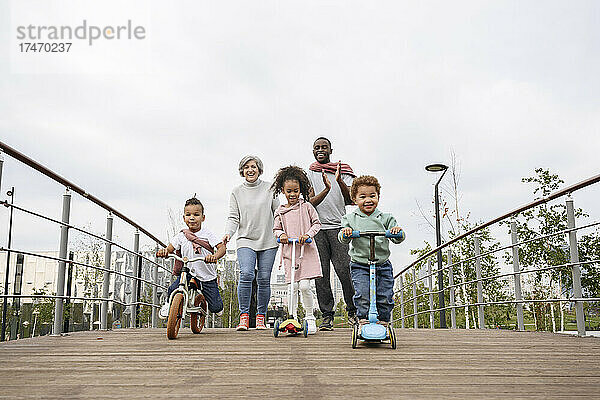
291 325
373 332
186 299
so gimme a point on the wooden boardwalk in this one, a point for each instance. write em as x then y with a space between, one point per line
221 363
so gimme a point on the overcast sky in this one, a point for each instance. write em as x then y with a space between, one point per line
507 86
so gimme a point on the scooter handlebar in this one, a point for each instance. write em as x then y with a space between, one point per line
295 240
391 235
388 234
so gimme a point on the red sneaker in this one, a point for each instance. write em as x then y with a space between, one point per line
260 322
244 322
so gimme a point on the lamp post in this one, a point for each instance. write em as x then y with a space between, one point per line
439 168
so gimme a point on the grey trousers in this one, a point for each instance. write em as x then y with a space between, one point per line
331 251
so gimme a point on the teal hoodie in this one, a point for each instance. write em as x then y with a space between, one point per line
377 221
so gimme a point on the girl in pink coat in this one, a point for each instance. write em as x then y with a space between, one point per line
298 219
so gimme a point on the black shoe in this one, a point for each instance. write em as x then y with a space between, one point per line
352 320
326 324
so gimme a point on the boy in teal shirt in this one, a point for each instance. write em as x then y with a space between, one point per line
365 192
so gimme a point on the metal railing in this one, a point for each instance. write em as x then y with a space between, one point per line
409 281
135 277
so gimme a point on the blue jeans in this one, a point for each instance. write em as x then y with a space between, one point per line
210 290
384 287
248 259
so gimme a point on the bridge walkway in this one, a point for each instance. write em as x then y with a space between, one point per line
221 363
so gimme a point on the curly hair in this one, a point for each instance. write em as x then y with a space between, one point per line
194 202
291 173
364 180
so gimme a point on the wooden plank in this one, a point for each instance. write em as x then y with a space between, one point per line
453 364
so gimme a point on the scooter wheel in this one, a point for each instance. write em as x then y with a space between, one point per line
175 314
354 336
305 328
276 328
197 319
392 335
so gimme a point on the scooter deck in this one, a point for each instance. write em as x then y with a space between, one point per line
373 332
290 326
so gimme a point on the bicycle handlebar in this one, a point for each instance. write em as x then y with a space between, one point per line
185 260
295 240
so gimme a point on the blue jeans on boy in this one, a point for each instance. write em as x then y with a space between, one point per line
384 288
248 260
210 290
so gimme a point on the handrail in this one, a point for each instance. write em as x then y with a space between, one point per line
54 176
552 196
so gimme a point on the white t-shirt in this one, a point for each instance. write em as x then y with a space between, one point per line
201 270
332 208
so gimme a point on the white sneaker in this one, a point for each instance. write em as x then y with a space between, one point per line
312 325
164 311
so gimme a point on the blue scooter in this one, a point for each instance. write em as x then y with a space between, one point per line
373 332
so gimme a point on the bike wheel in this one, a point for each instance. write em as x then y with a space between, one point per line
175 315
197 319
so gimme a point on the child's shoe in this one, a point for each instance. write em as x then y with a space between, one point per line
164 311
312 325
260 322
244 322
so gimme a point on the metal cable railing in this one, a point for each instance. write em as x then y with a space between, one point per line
409 281
73 227
144 270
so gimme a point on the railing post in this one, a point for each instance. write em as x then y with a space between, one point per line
452 295
10 193
416 322
464 295
155 290
62 254
517 276
574 252
402 301
430 280
134 281
1 166
479 283
106 280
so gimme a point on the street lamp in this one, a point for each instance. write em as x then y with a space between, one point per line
439 168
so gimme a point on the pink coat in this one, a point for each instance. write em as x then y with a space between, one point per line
300 219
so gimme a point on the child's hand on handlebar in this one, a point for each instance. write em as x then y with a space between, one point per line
395 230
303 238
162 253
283 238
347 232
211 258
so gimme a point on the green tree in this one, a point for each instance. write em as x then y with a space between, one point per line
545 220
